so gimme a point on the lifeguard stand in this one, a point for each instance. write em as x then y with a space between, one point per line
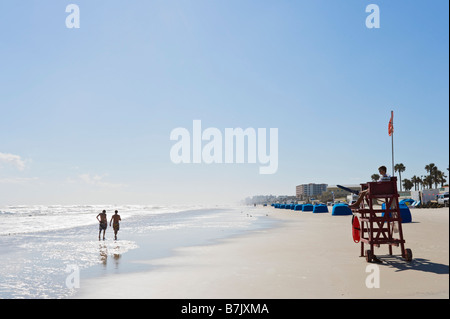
381 226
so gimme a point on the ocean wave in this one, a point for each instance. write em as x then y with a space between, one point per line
23 219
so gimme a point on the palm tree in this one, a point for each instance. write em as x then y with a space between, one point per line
430 168
415 181
440 178
407 184
422 182
435 175
428 181
400 168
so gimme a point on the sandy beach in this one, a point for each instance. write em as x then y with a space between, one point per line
306 255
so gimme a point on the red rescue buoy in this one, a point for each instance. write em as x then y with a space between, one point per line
356 229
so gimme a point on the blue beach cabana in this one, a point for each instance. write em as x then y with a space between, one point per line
320 208
298 207
307 208
341 210
405 213
407 201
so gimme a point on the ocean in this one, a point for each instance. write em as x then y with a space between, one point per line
42 247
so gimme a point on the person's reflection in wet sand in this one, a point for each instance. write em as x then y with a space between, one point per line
117 256
103 254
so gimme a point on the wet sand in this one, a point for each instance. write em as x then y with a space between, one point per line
306 255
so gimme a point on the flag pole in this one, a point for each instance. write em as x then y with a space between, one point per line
393 170
392 142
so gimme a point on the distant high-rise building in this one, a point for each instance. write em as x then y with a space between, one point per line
311 189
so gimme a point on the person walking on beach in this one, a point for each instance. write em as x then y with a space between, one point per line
116 219
103 223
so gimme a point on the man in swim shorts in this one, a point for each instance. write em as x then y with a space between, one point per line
115 218
103 223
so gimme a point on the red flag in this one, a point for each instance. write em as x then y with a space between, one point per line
391 124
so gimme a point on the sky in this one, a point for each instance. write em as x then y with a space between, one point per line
86 113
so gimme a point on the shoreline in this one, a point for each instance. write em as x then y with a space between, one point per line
156 245
305 255
37 265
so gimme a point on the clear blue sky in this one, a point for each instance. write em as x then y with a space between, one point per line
86 113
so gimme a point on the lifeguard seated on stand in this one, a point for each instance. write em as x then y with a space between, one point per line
384 177
377 226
